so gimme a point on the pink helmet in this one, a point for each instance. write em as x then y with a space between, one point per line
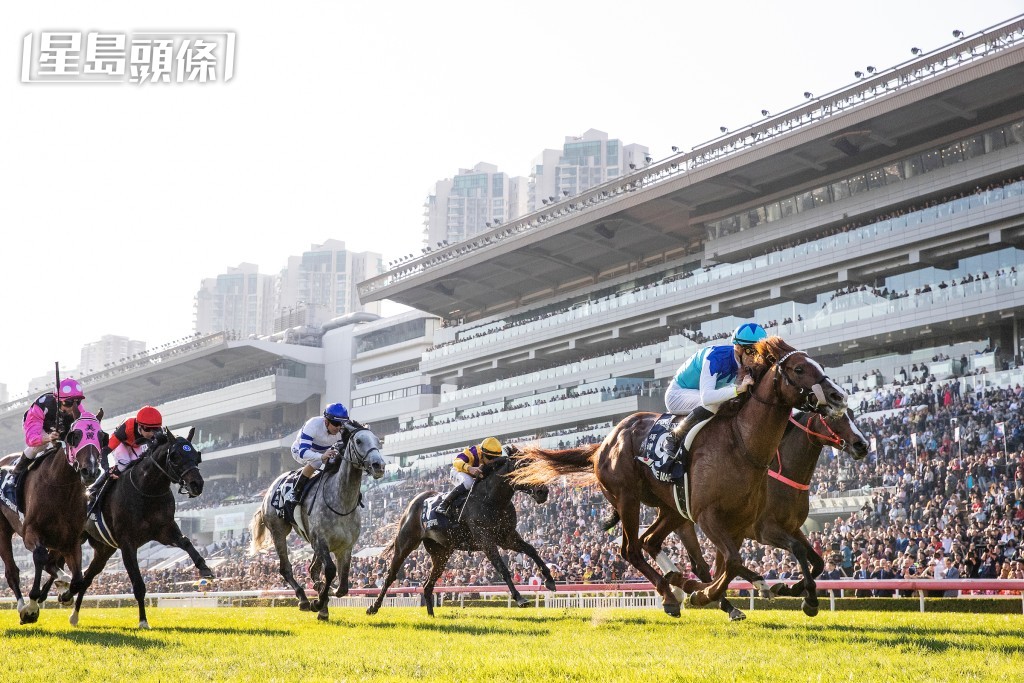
69 388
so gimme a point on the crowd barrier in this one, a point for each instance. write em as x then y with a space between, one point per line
585 595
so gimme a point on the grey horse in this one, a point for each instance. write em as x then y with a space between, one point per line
328 517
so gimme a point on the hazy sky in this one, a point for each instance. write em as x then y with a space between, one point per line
341 116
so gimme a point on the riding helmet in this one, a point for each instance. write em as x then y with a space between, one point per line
69 388
149 418
336 412
748 333
491 446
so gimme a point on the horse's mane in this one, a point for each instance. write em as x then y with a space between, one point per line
772 348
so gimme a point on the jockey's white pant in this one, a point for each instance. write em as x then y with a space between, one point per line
31 452
462 478
313 459
680 401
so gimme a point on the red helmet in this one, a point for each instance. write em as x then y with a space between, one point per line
149 417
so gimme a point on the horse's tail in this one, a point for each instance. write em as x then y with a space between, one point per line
258 530
543 465
612 520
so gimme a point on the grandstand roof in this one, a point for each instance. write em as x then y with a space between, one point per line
652 216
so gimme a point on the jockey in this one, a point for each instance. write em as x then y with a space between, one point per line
313 445
45 422
127 444
466 470
706 380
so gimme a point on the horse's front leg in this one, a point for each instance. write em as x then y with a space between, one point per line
344 565
687 533
632 552
491 551
11 571
30 612
130 558
178 539
517 543
320 604
285 567
811 564
728 563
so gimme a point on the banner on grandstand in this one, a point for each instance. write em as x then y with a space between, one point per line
874 445
1000 430
956 435
913 440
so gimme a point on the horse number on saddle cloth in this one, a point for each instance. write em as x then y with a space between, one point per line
277 500
429 516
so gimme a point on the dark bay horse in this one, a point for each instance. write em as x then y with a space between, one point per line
328 517
786 505
139 508
729 458
54 497
487 522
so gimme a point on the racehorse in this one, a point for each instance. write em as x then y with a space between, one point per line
54 497
487 522
729 458
329 519
138 509
786 504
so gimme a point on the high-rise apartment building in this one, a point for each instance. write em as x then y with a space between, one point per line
472 202
110 349
241 301
320 284
583 162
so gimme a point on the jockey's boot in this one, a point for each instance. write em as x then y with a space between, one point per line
675 443
12 480
294 496
446 505
95 490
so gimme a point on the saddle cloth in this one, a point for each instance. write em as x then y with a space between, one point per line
654 454
286 486
431 520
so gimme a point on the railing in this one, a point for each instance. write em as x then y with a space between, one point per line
637 594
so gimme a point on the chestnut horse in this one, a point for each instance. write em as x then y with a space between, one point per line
138 509
54 495
487 522
729 458
786 505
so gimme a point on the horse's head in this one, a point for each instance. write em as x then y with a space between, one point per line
363 450
539 492
843 432
82 446
181 461
799 381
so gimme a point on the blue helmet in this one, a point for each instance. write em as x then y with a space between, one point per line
336 412
748 333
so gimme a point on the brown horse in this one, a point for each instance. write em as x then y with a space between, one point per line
729 458
786 505
54 507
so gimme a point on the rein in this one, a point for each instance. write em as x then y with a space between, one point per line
360 465
831 437
174 479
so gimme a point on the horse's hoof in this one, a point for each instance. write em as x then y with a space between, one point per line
779 589
207 573
144 624
522 602
65 599
322 616
736 615
671 609
73 619
766 594
304 606
314 605
370 611
550 585
341 592
61 585
809 609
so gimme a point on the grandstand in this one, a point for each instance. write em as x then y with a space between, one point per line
879 227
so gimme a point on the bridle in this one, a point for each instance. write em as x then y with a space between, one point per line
168 468
361 461
812 398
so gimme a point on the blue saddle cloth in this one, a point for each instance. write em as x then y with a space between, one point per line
653 453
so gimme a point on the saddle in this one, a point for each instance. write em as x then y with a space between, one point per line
654 453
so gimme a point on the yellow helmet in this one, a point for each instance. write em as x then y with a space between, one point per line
491 446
